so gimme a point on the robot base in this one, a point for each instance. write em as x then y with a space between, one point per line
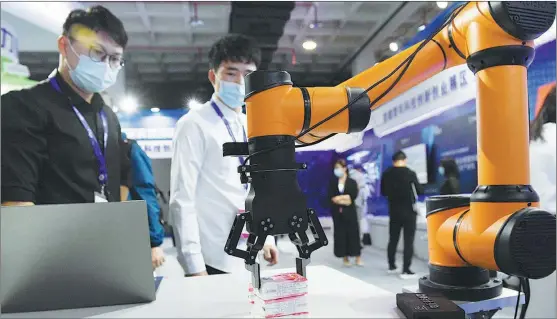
461 283
491 289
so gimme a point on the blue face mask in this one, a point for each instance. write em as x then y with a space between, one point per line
91 76
441 170
339 172
232 94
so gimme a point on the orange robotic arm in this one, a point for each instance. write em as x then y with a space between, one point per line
499 226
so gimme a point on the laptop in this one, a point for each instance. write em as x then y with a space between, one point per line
55 257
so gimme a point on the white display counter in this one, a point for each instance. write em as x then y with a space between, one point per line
332 294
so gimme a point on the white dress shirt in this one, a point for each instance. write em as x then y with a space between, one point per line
206 192
542 167
542 178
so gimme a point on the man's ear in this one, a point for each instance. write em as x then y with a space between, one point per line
62 45
211 75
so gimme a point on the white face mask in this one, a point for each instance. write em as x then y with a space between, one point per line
441 170
339 172
91 76
232 94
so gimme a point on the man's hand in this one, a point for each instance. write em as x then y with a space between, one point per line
199 274
157 257
270 253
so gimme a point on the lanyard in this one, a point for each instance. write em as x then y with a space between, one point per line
227 124
101 161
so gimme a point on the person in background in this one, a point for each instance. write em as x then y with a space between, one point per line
399 184
142 187
449 170
543 152
206 192
60 142
359 176
343 192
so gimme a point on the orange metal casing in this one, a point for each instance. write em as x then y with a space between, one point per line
502 114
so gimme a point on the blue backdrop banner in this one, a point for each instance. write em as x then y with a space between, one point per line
152 131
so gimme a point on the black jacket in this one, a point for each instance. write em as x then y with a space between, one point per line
450 186
396 186
47 156
351 189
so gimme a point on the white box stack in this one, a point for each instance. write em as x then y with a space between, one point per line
280 296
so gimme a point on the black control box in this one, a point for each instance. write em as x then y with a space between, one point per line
423 306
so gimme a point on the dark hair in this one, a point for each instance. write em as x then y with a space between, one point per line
546 115
98 18
450 167
341 162
399 156
234 48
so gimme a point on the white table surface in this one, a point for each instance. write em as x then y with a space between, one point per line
332 294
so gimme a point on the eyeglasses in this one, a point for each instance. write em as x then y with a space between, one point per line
98 54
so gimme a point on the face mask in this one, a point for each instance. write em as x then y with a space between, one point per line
91 76
442 170
232 94
339 172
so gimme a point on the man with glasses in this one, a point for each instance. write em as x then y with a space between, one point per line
60 142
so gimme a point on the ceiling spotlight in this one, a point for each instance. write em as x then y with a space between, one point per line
129 104
196 23
442 4
309 45
393 46
421 28
315 25
155 109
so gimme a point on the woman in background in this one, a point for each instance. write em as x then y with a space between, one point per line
449 170
542 178
343 192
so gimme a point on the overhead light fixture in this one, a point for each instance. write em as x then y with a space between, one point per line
129 104
155 109
393 46
309 45
421 28
442 4
315 25
196 23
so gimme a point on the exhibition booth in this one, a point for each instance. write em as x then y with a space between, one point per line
433 120
14 76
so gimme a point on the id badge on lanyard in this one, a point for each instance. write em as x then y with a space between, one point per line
100 196
230 132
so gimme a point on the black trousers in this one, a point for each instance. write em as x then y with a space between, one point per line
406 223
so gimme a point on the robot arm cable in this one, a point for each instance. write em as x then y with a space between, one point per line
406 63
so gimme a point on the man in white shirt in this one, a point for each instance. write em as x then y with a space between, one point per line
206 192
